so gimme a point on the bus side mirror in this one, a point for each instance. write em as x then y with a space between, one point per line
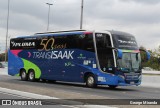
147 54
119 54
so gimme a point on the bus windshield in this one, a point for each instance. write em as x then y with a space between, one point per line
130 62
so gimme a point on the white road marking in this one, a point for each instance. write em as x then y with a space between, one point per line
25 94
38 96
14 95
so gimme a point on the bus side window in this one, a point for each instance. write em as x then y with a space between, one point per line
71 41
82 41
103 40
108 41
100 41
88 43
105 55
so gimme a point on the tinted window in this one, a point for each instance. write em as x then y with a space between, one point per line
75 41
105 54
103 40
84 42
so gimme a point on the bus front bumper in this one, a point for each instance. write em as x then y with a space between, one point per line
118 81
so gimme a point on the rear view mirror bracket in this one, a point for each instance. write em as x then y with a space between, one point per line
119 52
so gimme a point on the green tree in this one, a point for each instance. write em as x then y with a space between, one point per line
2 57
154 61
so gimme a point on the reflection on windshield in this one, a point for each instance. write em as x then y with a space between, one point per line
125 41
130 62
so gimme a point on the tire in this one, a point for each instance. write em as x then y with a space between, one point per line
112 86
90 81
31 76
24 76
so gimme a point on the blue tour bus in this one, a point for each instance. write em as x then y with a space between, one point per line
93 57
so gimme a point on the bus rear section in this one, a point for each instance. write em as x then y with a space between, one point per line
94 58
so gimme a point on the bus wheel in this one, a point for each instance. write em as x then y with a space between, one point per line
112 86
31 76
90 81
23 74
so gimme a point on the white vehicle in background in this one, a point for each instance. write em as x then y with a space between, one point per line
3 64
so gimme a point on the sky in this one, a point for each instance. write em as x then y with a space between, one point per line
138 17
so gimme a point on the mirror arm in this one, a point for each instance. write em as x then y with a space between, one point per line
119 52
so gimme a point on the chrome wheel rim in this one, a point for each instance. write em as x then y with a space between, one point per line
23 74
31 75
90 80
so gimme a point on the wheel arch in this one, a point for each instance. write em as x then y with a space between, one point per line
20 71
31 70
88 73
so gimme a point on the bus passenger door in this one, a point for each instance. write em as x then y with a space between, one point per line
104 52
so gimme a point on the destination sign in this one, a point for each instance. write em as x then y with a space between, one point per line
125 42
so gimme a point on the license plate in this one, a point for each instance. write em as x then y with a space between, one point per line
131 82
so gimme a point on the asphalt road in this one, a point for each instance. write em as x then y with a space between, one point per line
78 91
4 96
9 96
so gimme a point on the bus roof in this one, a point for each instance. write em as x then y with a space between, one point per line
57 33
119 32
